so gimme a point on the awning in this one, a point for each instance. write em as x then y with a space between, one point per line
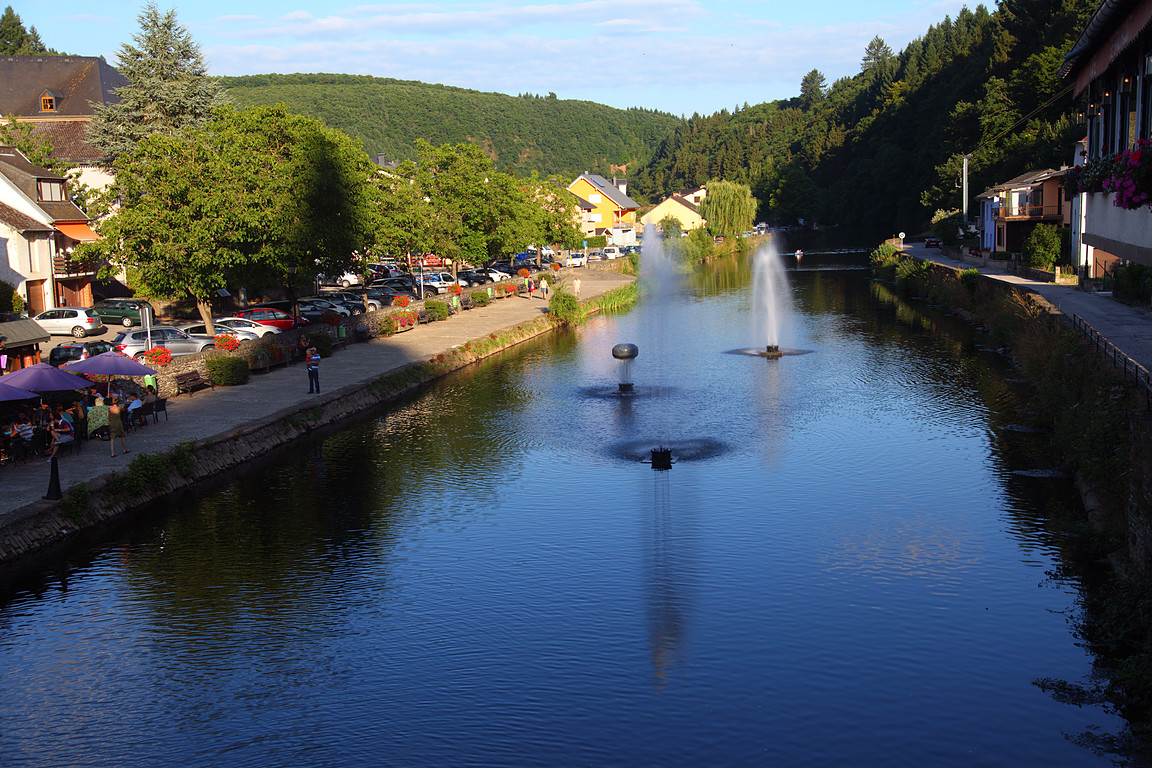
19 333
79 231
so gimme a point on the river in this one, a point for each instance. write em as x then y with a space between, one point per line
859 558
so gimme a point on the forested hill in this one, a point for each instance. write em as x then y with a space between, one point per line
883 148
520 133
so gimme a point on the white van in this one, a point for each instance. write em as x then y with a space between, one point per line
612 252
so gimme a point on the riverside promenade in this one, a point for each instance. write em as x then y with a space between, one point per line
1127 327
210 413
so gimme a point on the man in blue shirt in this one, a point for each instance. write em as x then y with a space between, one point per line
312 357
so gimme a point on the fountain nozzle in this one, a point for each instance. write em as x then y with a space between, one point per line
772 352
661 458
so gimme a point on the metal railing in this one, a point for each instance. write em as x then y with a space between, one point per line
1141 375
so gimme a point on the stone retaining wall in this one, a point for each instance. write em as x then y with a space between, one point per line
47 525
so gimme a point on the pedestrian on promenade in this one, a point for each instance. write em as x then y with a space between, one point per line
544 288
528 286
116 427
313 359
576 287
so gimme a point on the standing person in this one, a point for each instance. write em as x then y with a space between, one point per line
116 426
576 288
313 359
529 286
544 288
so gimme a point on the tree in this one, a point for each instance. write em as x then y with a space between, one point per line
670 227
812 88
168 87
877 56
252 197
1044 246
15 39
729 208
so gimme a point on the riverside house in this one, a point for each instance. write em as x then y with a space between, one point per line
1110 67
613 213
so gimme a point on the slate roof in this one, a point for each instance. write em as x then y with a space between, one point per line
73 80
19 222
69 139
611 191
581 202
24 175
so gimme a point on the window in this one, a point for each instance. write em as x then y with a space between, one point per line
595 198
50 191
47 103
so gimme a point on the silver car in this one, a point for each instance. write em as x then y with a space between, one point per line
74 321
135 343
201 330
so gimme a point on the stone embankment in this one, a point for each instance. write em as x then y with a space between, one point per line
215 431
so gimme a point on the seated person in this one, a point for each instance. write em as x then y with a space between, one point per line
134 416
98 419
61 434
58 413
150 395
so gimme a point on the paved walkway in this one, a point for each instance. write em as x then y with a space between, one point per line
212 412
1129 328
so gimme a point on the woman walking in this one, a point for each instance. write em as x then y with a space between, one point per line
116 426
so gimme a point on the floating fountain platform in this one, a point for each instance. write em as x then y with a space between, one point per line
772 352
661 459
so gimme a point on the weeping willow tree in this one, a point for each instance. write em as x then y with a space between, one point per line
729 208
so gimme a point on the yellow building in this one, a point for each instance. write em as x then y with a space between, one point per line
611 212
682 206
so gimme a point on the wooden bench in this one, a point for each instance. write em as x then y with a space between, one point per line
187 382
363 333
339 344
424 316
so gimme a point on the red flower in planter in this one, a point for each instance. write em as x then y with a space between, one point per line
226 342
455 289
523 272
158 356
400 301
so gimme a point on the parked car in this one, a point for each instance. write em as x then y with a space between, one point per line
201 330
354 301
434 281
135 343
125 312
384 270
406 283
251 326
329 305
596 256
932 242
498 275
577 259
346 280
76 350
70 321
271 316
475 276
612 252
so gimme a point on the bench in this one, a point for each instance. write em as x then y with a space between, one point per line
424 316
187 382
363 333
339 344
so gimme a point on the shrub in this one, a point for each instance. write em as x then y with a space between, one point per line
1043 247
438 309
227 371
597 241
480 298
1001 255
10 298
331 318
564 307
947 225
969 278
322 342
387 326
1133 282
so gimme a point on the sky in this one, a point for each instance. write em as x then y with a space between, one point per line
677 56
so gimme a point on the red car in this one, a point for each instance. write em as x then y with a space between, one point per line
269 316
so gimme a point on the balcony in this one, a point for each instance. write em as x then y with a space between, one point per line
1028 212
63 265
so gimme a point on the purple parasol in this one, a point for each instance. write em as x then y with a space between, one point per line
44 378
110 363
8 392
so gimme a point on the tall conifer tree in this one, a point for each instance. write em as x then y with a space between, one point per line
168 90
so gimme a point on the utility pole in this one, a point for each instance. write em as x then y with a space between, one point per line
964 191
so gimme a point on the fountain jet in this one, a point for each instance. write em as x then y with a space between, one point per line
625 353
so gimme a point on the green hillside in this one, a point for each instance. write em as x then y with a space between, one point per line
520 133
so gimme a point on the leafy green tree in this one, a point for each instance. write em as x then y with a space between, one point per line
38 149
168 86
1044 246
729 208
671 227
250 197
